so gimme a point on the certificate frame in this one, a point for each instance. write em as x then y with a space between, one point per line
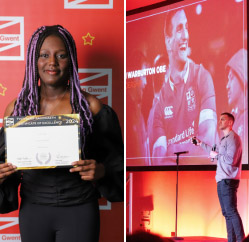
42 141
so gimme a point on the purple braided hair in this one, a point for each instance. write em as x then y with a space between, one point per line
28 99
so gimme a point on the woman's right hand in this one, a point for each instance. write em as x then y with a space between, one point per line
6 169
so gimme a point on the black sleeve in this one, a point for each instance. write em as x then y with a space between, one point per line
106 146
9 188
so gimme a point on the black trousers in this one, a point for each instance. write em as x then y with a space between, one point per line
41 223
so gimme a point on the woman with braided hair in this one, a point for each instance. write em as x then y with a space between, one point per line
61 204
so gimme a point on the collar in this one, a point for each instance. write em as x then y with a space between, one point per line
185 78
227 135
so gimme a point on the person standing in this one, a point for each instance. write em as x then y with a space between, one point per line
61 204
229 163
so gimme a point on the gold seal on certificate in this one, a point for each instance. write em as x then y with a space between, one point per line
42 141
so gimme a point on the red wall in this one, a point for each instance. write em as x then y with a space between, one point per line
104 21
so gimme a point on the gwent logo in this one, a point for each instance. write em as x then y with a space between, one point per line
104 204
88 4
9 229
11 38
97 82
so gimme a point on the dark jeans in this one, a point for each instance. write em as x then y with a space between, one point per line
227 193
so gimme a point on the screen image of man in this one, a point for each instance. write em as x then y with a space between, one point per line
136 132
237 95
186 105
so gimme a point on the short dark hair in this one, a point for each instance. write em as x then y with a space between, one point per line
230 116
168 21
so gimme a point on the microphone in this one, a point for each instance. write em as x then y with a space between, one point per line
194 141
181 152
213 149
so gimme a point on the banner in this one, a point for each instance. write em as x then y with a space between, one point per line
97 27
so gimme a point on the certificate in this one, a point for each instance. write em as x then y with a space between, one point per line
42 141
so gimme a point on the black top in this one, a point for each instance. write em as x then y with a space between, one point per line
59 187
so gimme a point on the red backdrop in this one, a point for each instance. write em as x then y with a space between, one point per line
98 29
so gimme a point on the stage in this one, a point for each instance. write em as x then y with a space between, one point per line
199 239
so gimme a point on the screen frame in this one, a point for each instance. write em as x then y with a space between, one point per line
177 167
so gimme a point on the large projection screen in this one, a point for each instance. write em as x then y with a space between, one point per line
186 63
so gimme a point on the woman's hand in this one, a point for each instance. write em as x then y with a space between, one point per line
89 170
6 169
